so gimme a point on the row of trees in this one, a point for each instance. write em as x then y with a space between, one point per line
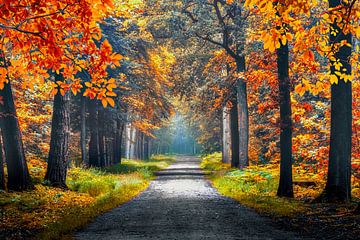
309 48
88 55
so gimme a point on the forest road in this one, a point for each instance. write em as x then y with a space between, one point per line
181 204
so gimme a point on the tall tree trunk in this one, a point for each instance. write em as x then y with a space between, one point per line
2 172
94 152
338 186
243 115
108 153
158 148
59 143
234 129
83 131
101 131
18 173
285 188
143 146
127 140
226 153
133 143
146 148
118 141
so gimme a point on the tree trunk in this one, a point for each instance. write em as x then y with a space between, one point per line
101 131
83 131
94 152
285 188
127 140
143 146
234 128
18 173
2 172
59 143
118 141
133 143
146 148
338 186
226 153
243 115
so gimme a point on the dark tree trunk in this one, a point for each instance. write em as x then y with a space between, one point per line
357 209
143 146
18 173
2 172
94 152
243 115
101 127
286 183
146 147
118 141
338 186
234 129
83 131
59 143
107 152
140 146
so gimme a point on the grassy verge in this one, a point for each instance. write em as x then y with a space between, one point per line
48 213
256 186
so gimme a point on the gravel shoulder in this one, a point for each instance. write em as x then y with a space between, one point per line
181 204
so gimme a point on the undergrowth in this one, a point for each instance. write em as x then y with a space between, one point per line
256 186
48 213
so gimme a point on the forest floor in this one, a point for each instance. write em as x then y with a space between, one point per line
256 187
182 204
48 213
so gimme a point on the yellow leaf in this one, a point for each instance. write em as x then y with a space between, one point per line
104 102
334 79
299 89
111 102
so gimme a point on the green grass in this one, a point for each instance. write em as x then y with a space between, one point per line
212 162
51 213
146 168
111 187
254 187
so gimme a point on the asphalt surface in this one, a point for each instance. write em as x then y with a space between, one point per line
181 204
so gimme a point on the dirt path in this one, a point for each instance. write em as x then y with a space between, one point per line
181 204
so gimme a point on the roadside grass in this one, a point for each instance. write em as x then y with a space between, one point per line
49 213
256 186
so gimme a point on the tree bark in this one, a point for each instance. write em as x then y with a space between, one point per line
243 115
59 143
338 186
234 129
133 143
285 188
146 148
2 172
118 141
101 132
226 156
18 173
94 152
127 140
83 131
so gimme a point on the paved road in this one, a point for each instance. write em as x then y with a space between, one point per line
181 204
